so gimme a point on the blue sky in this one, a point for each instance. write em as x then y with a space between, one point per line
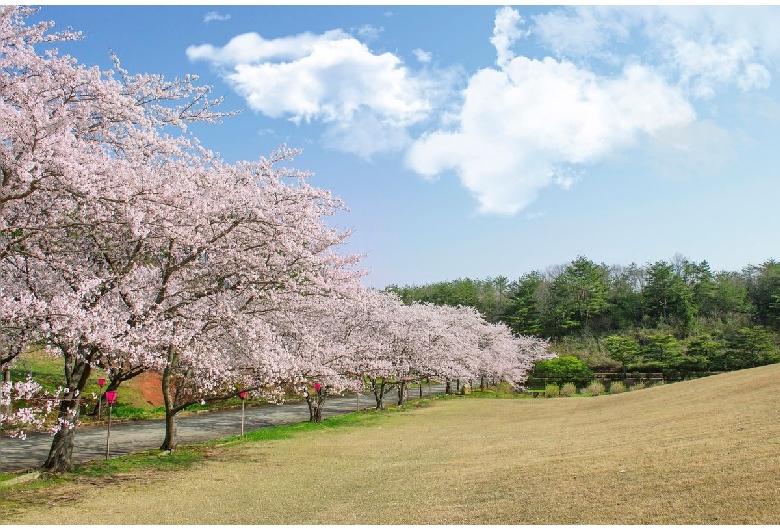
485 141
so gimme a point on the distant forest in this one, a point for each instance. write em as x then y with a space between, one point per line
668 316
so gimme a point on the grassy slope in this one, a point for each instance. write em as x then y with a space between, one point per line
704 451
49 372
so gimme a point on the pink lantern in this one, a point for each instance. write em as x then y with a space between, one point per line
101 382
317 386
242 394
111 397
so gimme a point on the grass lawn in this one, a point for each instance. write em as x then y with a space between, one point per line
696 452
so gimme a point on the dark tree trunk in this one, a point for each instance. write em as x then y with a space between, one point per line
77 371
421 386
169 444
7 379
61 452
171 419
403 388
457 385
447 387
482 383
316 402
379 393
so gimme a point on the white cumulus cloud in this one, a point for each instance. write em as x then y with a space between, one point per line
332 78
522 127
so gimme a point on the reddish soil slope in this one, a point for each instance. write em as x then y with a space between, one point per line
148 384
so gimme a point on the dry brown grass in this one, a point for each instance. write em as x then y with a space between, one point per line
697 452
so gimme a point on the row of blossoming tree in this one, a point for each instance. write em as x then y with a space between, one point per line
126 246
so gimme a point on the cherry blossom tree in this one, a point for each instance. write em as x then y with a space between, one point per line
367 330
141 230
319 333
452 343
241 242
76 146
513 355
127 246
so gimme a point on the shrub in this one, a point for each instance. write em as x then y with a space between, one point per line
551 390
504 388
617 388
595 388
569 389
561 370
639 385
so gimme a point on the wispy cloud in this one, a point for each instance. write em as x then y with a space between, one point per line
422 55
212 16
369 32
704 48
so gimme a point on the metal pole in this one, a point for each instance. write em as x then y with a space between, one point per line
108 436
242 416
100 401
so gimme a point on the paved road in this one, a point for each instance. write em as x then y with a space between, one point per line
134 436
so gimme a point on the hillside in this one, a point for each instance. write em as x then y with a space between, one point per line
705 451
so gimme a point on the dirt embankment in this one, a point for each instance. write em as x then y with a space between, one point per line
148 385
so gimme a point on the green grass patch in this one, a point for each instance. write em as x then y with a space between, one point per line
127 412
152 460
353 419
491 392
46 370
